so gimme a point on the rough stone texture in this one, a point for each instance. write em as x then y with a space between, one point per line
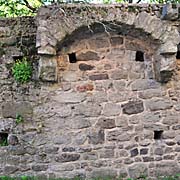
137 170
133 107
13 109
91 108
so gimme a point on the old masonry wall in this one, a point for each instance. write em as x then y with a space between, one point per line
104 98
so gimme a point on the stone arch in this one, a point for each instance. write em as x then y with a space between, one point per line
60 25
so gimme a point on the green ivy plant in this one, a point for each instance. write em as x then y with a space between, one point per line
19 119
22 70
4 142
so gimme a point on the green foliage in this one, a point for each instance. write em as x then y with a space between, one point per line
19 119
22 70
3 142
13 8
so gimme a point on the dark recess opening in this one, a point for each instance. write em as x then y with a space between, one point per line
158 134
3 139
72 58
17 58
178 55
139 56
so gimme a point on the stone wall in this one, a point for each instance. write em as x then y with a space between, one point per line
104 99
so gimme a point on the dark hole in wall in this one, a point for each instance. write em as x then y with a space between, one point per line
3 139
72 58
178 55
158 134
17 58
165 76
139 56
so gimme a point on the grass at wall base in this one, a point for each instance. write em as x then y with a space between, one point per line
175 177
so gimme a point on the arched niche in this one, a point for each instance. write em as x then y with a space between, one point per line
60 31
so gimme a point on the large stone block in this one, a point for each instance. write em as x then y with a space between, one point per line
96 136
118 135
67 157
119 74
137 170
133 107
89 109
79 122
143 84
106 123
10 170
167 168
111 109
99 42
102 172
48 69
100 76
14 109
87 56
39 167
169 12
47 50
158 104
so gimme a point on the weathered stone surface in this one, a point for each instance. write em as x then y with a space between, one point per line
119 85
102 172
85 87
171 119
39 167
143 151
13 109
158 104
79 123
47 50
106 123
133 107
13 140
47 69
166 167
156 127
121 121
137 170
117 135
70 76
17 150
85 67
169 12
150 93
115 41
62 139
87 56
119 74
4 31
67 157
10 170
111 109
78 120
134 152
106 153
96 77
69 97
99 42
90 156
119 96
96 136
88 110
143 84
98 96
